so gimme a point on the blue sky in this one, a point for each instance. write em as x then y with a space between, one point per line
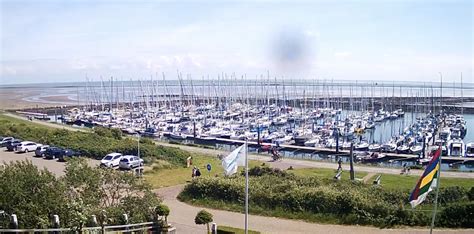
49 41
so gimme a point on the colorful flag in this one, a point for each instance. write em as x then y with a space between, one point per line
427 181
232 161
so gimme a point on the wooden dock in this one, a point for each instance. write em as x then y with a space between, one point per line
320 150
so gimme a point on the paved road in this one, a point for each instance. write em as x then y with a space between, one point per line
52 165
182 216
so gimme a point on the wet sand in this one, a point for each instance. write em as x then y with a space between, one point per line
16 98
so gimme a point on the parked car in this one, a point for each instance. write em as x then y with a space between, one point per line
26 146
53 153
67 153
111 160
5 140
11 145
41 150
130 162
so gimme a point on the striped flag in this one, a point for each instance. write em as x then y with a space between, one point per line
427 181
231 162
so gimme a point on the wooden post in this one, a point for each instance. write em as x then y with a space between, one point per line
351 157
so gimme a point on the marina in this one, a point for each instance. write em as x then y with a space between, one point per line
317 120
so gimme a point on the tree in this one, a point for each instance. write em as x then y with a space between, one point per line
30 193
163 210
35 195
203 217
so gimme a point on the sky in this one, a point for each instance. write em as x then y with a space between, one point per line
61 41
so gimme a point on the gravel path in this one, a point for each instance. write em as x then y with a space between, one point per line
182 217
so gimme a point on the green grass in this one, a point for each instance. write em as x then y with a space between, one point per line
165 177
404 182
229 230
325 173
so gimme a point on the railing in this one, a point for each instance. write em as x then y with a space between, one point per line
148 227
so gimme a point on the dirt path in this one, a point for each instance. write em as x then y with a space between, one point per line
182 216
368 177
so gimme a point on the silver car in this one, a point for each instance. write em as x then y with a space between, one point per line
129 162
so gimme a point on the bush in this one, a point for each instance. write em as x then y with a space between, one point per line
470 194
350 203
93 145
35 195
265 170
457 215
203 217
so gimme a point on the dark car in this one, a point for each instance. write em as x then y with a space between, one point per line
11 145
41 150
53 153
68 153
5 140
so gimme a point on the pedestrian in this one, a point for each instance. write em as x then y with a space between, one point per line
193 172
339 162
189 161
198 172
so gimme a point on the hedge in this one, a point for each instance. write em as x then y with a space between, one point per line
94 144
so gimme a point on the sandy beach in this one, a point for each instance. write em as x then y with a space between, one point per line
17 98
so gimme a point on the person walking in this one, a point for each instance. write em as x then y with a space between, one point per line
194 172
339 162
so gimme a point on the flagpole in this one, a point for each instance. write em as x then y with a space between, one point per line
246 188
436 196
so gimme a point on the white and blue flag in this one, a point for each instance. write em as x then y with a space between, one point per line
232 161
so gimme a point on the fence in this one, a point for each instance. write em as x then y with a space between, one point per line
148 227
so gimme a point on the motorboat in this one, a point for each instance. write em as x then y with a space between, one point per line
374 147
470 149
456 148
362 146
177 136
312 143
389 147
372 157
416 149
403 149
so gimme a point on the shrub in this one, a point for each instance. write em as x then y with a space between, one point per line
457 215
93 145
203 217
470 194
351 203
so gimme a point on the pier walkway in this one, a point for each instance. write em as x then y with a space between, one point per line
316 150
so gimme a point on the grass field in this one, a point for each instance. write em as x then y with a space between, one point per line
164 177
404 182
325 173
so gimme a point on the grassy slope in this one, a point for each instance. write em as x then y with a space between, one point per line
163 177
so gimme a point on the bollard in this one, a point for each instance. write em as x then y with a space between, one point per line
13 221
214 228
125 218
352 162
94 221
56 223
